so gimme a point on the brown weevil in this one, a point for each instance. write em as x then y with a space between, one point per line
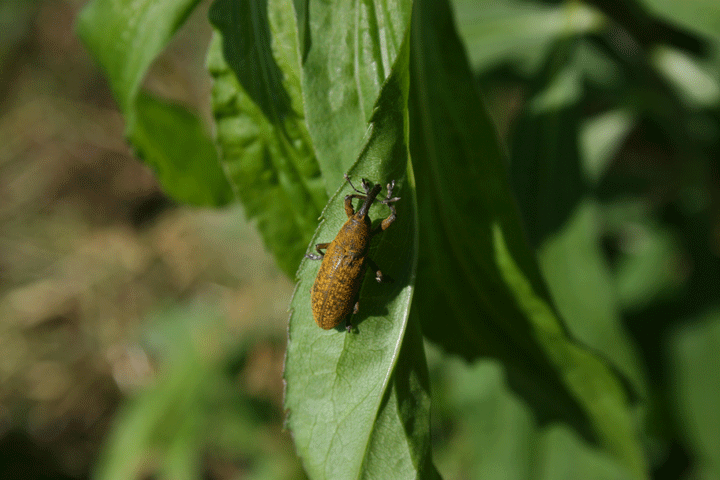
336 287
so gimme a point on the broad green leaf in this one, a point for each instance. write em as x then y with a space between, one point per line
551 181
600 139
649 267
696 387
358 403
582 287
265 147
457 278
562 222
563 456
301 14
549 175
349 50
696 82
499 429
502 427
477 271
172 141
501 31
545 157
459 196
246 46
125 37
696 15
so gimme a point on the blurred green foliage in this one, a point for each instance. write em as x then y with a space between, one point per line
195 407
561 241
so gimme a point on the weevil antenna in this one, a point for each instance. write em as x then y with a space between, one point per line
347 177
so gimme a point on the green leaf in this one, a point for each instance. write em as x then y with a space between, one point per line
600 139
697 82
266 149
696 15
502 31
648 270
582 286
479 274
564 456
247 49
358 403
125 37
172 141
696 382
349 50
501 426
562 222
461 197
545 156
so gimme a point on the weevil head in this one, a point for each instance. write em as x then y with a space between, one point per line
369 199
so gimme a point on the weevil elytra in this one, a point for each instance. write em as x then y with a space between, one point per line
334 293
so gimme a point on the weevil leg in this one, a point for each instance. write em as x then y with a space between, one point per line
379 277
348 322
389 200
318 247
349 210
387 222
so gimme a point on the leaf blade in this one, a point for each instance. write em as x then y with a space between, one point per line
125 37
481 274
351 48
352 396
265 146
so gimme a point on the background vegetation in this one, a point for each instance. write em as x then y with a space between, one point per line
555 260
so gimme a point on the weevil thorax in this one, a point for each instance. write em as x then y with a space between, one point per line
355 234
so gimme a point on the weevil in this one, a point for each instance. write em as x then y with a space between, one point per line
345 261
